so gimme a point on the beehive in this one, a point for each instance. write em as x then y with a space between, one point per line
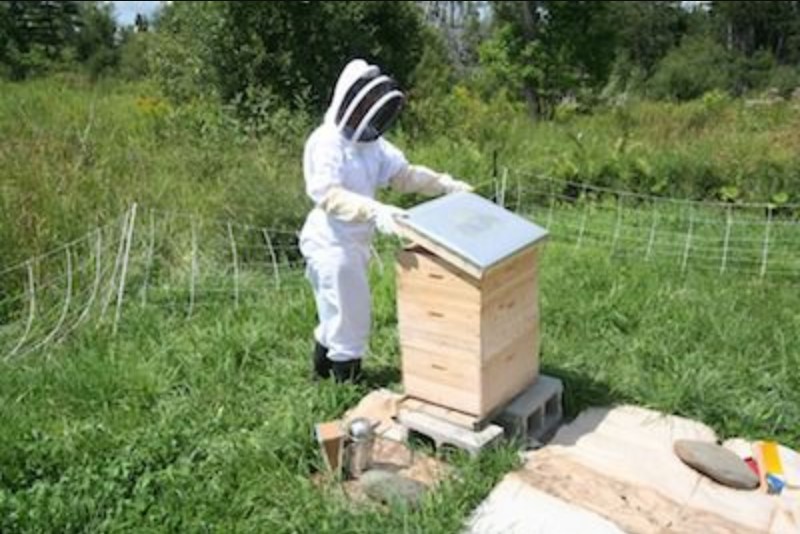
467 298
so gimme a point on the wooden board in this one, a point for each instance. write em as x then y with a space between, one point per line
448 255
509 371
415 383
331 436
618 464
420 257
522 264
453 416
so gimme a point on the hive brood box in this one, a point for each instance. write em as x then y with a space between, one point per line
467 300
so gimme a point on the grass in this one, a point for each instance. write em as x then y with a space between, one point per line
198 425
205 424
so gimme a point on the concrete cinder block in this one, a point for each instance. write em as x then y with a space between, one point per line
446 433
536 412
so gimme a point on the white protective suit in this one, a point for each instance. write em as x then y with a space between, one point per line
341 178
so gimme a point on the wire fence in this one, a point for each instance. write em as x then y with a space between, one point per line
184 263
145 257
744 239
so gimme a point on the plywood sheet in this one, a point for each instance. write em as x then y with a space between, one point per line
618 464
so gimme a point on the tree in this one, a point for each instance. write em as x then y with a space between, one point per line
548 50
697 66
141 24
35 36
94 41
751 26
647 30
462 26
292 51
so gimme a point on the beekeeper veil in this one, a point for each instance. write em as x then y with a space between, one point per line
365 102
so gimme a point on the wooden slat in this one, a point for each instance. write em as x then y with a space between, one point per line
422 261
527 282
433 391
434 410
508 372
443 369
502 326
426 308
449 256
431 344
522 263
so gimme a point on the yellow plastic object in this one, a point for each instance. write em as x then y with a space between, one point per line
772 460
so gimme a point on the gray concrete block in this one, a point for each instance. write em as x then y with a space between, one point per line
446 433
536 412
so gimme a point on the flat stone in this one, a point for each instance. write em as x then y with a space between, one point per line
390 488
716 462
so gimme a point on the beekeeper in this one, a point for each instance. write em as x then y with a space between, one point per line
346 160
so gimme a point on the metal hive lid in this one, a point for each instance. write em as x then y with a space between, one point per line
474 229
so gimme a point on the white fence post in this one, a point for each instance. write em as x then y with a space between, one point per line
123 274
272 256
193 273
688 244
235 257
652 238
765 250
726 241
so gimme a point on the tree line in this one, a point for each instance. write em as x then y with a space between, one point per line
540 52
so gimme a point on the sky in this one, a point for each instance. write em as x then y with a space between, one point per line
125 12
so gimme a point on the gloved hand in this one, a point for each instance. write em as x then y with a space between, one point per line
451 185
421 179
386 218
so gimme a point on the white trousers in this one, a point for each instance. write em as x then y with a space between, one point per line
338 277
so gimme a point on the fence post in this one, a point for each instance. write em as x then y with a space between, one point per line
123 274
117 264
193 273
584 217
765 251
150 253
651 240
235 257
31 312
272 255
503 184
726 241
618 225
688 244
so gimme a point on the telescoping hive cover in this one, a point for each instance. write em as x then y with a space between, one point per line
474 229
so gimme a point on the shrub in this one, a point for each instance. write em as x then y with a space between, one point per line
695 67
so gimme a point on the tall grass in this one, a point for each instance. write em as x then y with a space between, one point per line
711 148
73 154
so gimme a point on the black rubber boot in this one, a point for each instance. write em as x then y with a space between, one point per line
322 365
349 371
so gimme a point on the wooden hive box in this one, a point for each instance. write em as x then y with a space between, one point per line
467 299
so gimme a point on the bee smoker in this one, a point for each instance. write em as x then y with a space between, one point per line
360 442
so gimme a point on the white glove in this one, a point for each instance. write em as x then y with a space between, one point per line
451 185
348 206
386 218
421 179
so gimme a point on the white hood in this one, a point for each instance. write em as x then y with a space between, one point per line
354 70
